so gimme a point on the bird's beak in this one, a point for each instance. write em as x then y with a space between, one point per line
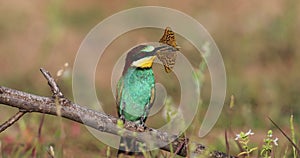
165 48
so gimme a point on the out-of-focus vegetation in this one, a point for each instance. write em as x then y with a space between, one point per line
259 42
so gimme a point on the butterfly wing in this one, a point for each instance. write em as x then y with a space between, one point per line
168 58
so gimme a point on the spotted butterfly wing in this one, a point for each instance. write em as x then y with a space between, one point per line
166 57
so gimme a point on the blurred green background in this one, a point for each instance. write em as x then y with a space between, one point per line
259 42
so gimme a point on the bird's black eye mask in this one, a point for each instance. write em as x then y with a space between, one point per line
137 53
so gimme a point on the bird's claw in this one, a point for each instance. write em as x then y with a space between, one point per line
141 127
122 118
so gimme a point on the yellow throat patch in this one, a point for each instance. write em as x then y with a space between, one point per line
146 62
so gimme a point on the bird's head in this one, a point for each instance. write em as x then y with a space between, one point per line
142 56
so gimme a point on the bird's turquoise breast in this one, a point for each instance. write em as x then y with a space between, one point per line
136 92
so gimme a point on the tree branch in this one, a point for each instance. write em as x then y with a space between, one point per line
51 82
12 120
27 102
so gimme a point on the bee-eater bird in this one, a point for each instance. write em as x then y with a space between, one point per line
136 90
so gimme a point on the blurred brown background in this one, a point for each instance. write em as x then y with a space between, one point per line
259 42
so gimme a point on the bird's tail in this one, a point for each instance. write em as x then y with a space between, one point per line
129 146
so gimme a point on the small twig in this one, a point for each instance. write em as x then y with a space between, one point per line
179 147
12 120
51 82
227 143
186 143
286 136
40 127
54 88
33 153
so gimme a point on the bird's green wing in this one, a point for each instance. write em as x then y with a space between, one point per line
149 105
119 95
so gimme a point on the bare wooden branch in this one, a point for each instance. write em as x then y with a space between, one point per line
51 82
102 122
12 120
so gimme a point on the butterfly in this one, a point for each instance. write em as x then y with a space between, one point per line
168 58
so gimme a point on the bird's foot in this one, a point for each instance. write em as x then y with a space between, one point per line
122 117
141 127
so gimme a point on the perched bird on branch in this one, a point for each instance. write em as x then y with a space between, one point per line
136 90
